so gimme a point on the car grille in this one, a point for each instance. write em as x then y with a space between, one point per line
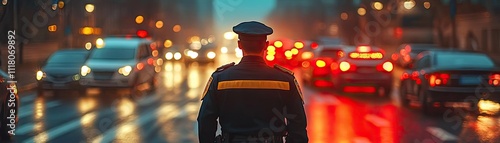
103 75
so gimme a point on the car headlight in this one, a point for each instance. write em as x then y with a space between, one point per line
40 75
85 70
211 55
177 56
169 56
193 55
76 77
125 71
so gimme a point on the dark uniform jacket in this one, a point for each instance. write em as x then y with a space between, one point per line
253 99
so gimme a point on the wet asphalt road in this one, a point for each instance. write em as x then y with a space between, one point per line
168 114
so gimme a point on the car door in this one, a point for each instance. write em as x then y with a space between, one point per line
147 59
142 64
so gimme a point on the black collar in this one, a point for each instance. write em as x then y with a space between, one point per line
252 59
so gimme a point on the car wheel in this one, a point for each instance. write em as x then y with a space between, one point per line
425 105
134 89
403 95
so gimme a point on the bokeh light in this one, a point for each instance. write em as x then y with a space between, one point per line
177 28
139 19
361 11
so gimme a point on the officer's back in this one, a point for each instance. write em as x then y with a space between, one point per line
253 102
247 111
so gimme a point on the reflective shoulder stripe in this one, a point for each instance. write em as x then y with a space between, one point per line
206 87
253 84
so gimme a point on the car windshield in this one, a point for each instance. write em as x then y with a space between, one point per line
3 74
464 60
67 58
113 54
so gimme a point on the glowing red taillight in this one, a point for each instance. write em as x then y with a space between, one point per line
438 79
405 76
494 80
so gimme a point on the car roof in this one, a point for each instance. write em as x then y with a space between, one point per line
72 51
121 42
449 51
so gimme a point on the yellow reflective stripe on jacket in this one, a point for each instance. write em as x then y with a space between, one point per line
253 84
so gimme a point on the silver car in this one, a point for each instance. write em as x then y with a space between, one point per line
121 62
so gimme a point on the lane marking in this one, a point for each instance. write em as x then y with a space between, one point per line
361 140
28 110
441 134
25 129
63 129
377 121
170 112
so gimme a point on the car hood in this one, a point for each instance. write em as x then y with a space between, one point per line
109 64
62 69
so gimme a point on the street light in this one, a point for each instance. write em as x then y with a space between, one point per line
159 24
427 5
344 16
177 28
167 43
361 11
89 8
60 4
378 5
409 4
139 19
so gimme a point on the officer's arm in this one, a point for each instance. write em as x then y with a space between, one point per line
209 112
297 122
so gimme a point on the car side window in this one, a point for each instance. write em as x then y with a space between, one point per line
143 51
424 62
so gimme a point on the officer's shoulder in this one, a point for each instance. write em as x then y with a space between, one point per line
224 67
283 69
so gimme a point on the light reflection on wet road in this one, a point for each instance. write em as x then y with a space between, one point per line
169 115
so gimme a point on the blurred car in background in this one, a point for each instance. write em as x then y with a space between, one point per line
9 101
406 53
203 54
174 53
121 63
450 79
363 69
318 70
61 70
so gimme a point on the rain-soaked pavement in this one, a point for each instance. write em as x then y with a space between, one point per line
169 113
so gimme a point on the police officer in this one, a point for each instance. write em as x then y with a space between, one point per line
253 102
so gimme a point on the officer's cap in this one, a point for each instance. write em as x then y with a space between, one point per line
252 30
